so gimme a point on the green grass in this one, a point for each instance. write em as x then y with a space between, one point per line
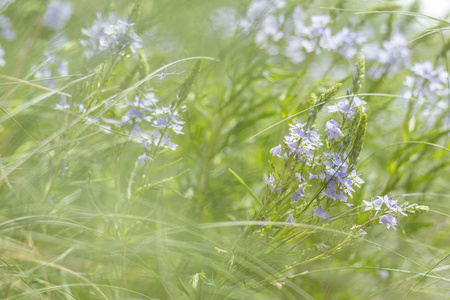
80 218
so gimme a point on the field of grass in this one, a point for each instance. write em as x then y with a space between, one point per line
199 149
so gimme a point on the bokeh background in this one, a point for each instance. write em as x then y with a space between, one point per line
74 223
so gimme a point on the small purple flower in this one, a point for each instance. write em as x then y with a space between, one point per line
299 177
62 104
276 151
143 159
393 205
322 213
57 14
270 179
375 204
300 193
389 221
105 128
290 220
168 143
359 102
333 130
322 247
356 179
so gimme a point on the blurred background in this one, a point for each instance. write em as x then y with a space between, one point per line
79 218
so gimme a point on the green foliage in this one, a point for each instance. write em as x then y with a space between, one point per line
90 211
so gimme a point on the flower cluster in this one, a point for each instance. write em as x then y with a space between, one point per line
115 35
390 58
301 142
388 208
347 107
339 180
272 25
427 82
266 16
58 13
146 124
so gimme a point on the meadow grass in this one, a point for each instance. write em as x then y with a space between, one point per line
263 149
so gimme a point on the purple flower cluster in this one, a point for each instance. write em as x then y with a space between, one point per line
390 58
426 81
301 141
339 180
146 124
390 210
347 107
115 35
267 17
58 13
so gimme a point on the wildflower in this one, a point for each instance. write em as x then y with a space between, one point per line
361 231
299 178
223 22
143 159
346 42
343 107
375 204
168 143
290 220
392 205
358 102
389 221
302 142
6 30
168 117
105 128
322 213
57 14
333 130
391 57
116 35
4 4
322 247
62 104
263 14
270 179
299 193
383 274
276 151
355 179
320 176
428 86
317 35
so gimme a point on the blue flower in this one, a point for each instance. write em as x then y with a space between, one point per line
57 14
290 220
276 151
389 221
333 130
116 35
322 213
375 204
270 179
299 193
143 159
